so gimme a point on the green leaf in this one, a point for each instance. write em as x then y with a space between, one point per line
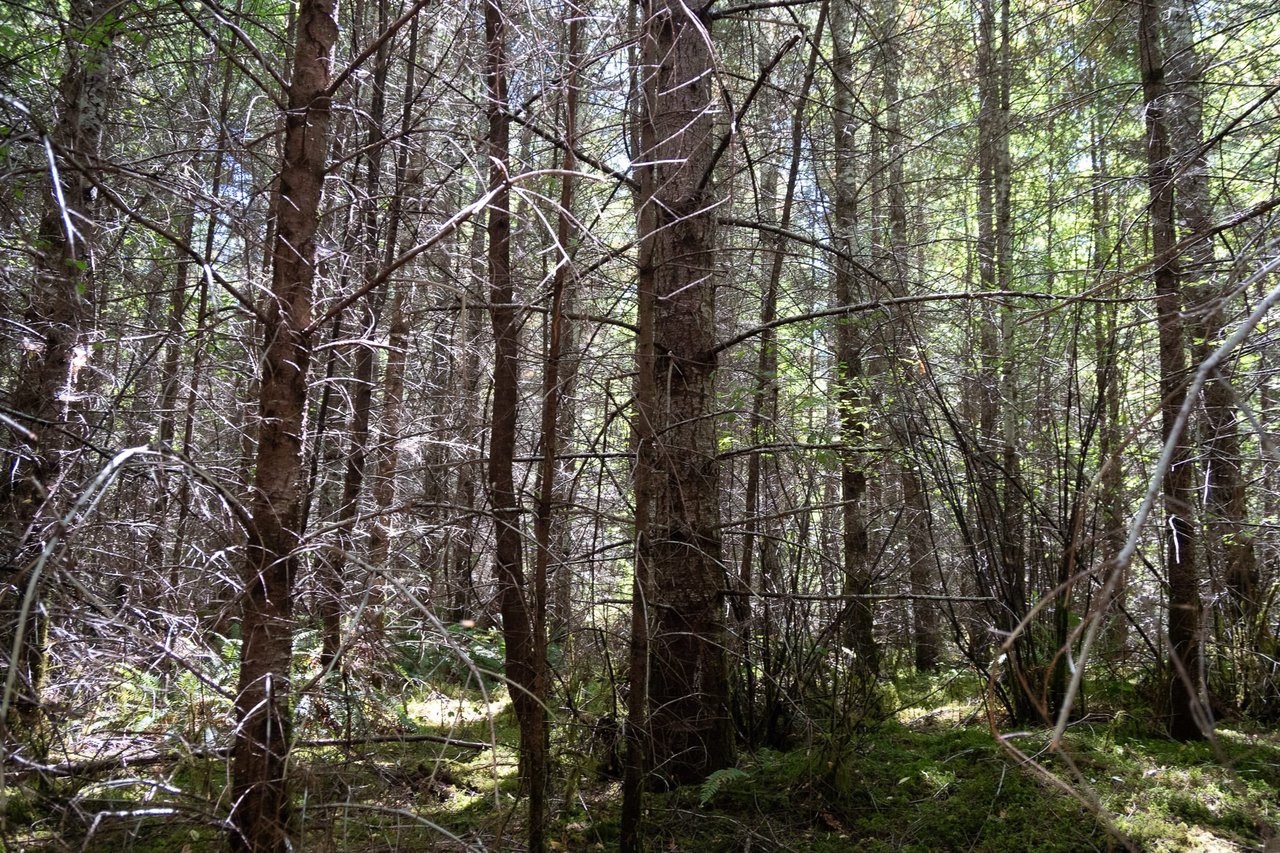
718 780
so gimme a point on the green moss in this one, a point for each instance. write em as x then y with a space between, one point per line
918 781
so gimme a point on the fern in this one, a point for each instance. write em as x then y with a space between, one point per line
718 780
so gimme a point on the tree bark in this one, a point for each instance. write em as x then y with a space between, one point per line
333 572
1185 707
690 727
59 313
386 449
1228 549
517 616
764 399
261 811
860 616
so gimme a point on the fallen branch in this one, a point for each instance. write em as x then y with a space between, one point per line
96 766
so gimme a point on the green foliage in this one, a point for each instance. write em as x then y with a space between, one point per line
18 805
457 659
930 785
947 787
717 780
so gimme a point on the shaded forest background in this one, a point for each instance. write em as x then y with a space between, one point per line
653 398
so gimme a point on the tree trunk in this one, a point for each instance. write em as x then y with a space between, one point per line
552 391
1228 549
333 571
517 618
386 450
764 399
999 433
60 309
261 809
690 727
1185 707
859 614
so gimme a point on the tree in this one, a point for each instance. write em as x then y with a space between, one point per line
850 347
261 806
1185 681
365 234
58 319
719 360
519 612
1228 552
689 727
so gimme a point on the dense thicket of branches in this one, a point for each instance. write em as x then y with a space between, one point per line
823 340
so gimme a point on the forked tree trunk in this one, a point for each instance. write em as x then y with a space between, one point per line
261 811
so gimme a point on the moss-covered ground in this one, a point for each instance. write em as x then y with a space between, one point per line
930 776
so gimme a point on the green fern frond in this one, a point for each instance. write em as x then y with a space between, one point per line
718 780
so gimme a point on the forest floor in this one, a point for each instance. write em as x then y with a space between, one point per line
930 777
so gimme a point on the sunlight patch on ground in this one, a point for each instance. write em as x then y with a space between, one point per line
921 717
448 712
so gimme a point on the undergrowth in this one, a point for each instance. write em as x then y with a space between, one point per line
927 776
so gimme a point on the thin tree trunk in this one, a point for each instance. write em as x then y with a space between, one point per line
386 452
1180 547
764 399
333 571
261 811
462 559
1000 426
858 628
59 313
517 618
551 396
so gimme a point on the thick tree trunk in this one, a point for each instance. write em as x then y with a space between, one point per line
261 809
690 727
1179 494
